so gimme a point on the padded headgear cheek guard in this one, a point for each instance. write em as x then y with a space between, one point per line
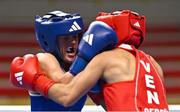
127 24
55 25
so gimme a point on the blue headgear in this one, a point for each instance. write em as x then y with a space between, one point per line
56 24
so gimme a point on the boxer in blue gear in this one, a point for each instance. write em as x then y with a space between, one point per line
58 33
99 37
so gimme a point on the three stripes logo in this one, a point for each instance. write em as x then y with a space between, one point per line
74 27
89 39
18 76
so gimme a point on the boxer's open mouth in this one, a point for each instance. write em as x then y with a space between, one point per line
70 50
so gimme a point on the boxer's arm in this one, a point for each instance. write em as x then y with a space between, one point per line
52 69
67 94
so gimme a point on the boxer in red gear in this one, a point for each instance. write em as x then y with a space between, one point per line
144 92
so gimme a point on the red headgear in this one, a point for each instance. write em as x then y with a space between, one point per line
128 25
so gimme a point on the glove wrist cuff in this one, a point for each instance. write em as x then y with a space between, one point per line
78 65
43 84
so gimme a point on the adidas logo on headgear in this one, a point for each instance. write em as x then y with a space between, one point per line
74 27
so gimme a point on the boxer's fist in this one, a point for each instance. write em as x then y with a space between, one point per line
26 73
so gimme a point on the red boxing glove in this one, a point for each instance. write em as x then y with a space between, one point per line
25 73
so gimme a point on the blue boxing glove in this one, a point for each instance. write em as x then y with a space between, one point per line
98 38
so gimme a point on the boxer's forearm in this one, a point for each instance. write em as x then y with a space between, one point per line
69 93
66 78
59 93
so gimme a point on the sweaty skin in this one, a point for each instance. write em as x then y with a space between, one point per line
112 66
52 68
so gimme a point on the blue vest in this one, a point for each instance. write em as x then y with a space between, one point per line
41 103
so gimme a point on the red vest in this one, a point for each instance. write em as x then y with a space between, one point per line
146 92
